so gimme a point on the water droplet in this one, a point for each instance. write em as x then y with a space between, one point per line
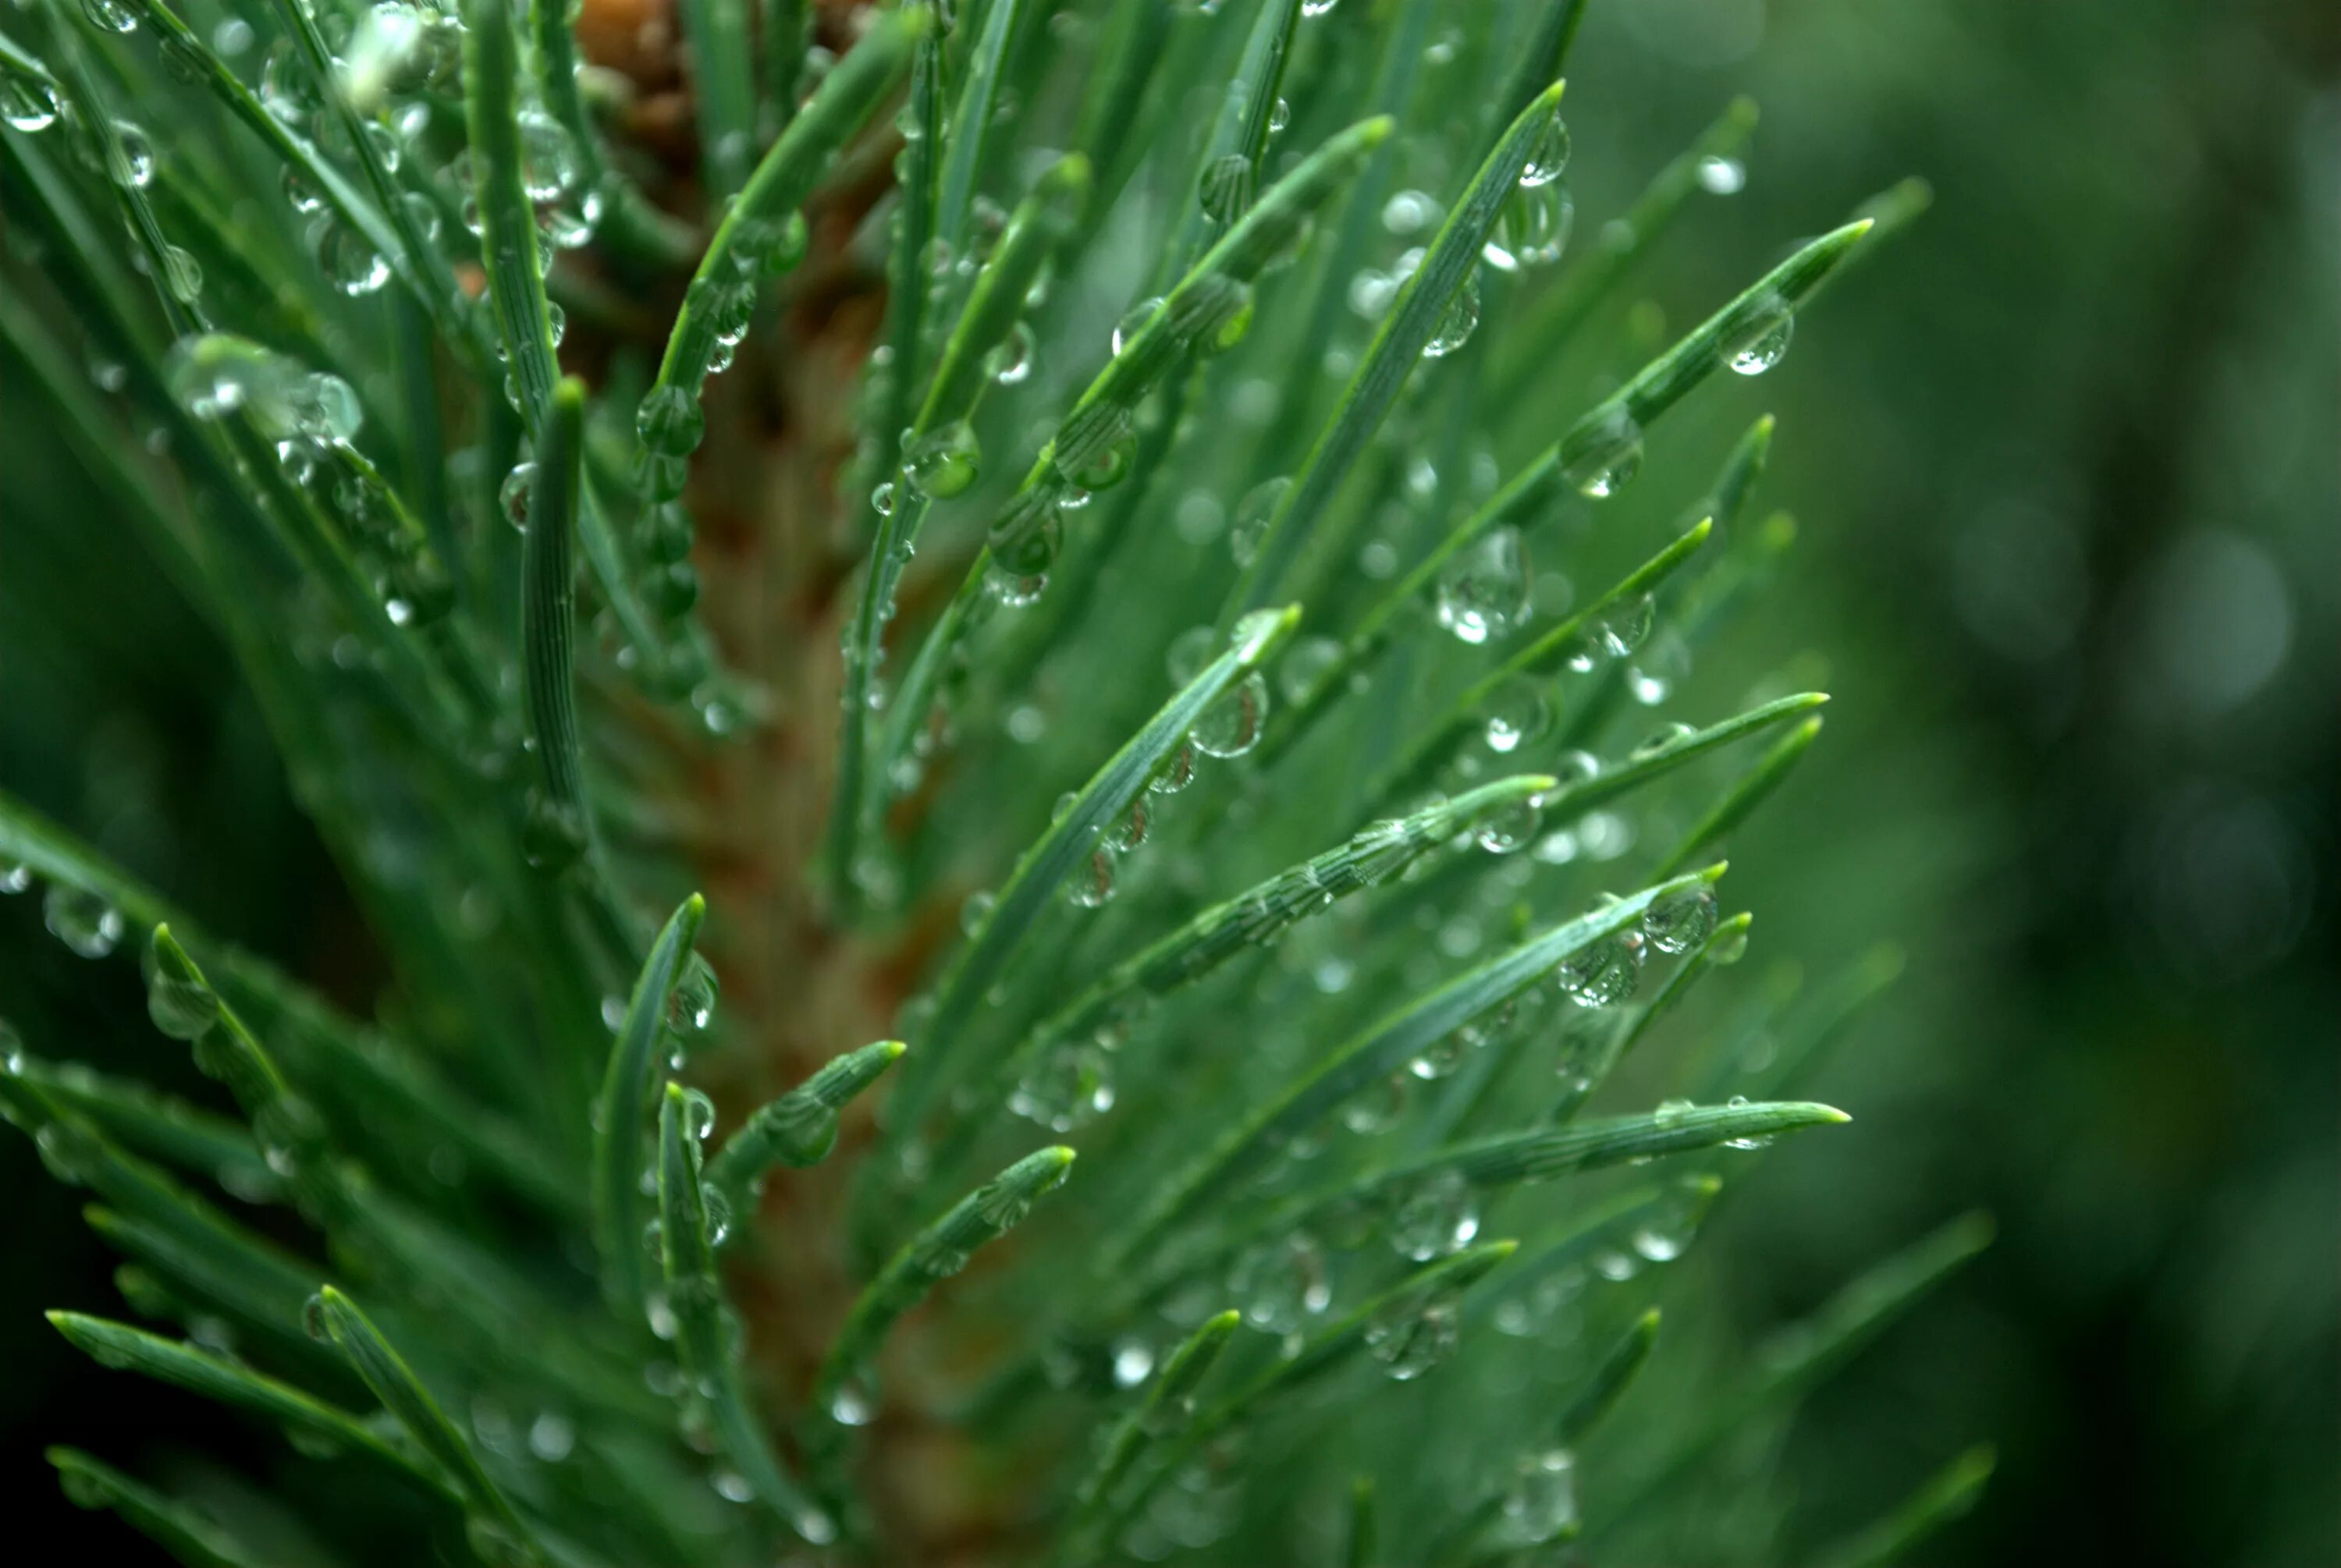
549 164
110 15
1681 923
27 104
1662 666
551 1437
1547 154
287 88
1659 741
1409 213
1222 328
87 923
1314 8
1072 1082
1225 191
1666 1233
1762 340
1377 1108
690 1012
1517 715
1616 1267
1094 451
1541 1505
1532 229
1409 1338
1457 320
1091 886
943 462
1024 546
16 877
1722 176
181 273
1130 832
349 260
1133 1362
312 1318
1484 592
670 422
1437 1217
130 156
855 1402
571 223
182 1008
1278 1284
1133 321
1011 363
1176 773
1231 726
514 493
1252 516
1371 291
301 192
1603 457
974 913
1604 974
325 407
1508 827
698 1116
1624 627
1444 1055
666 534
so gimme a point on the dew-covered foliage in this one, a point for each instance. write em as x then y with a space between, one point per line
1058 518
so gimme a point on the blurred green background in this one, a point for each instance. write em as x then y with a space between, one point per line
2066 459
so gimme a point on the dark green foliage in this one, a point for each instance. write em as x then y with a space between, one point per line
1310 958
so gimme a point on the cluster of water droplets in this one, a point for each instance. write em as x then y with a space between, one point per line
1532 227
1608 971
213 374
719 306
386 62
